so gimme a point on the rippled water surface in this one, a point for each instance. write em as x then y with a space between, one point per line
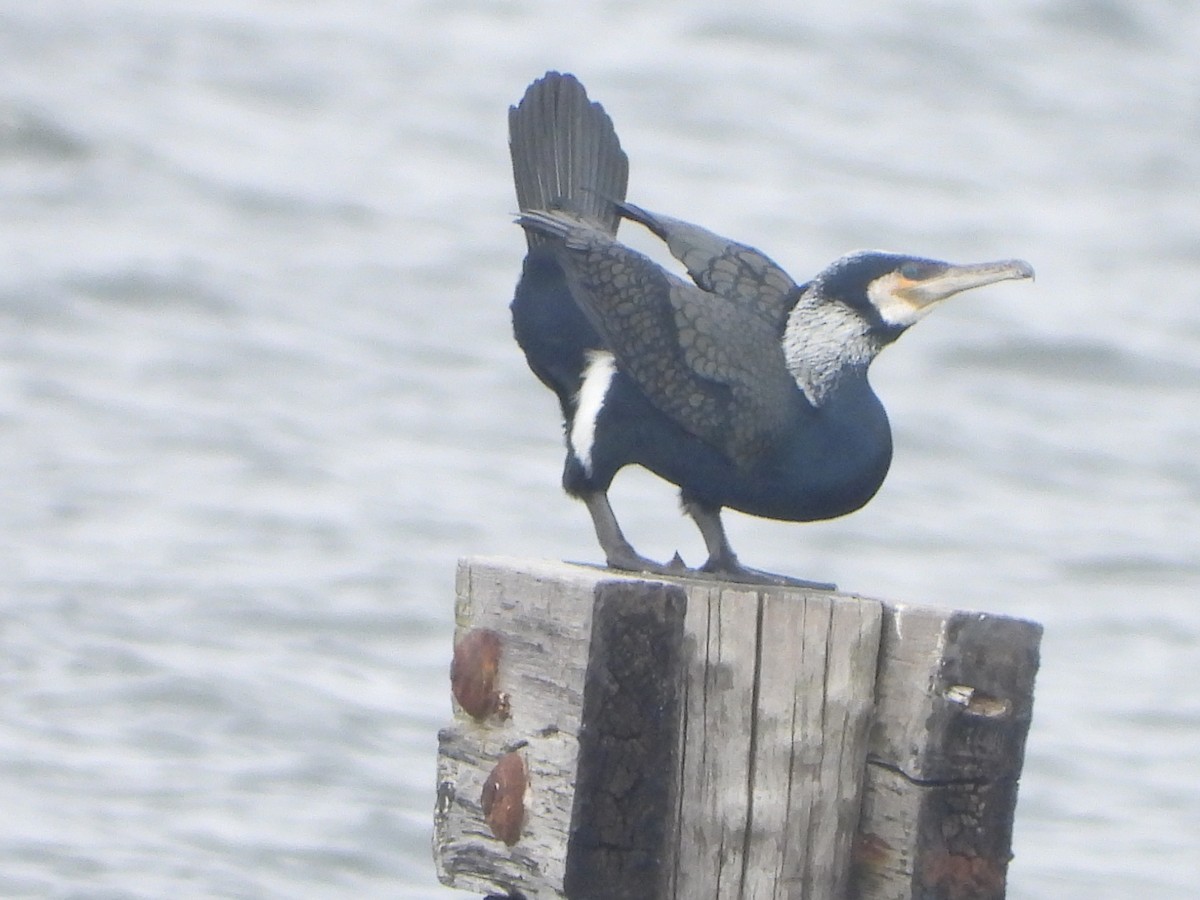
258 393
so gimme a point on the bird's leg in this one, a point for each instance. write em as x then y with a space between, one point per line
721 558
618 552
723 562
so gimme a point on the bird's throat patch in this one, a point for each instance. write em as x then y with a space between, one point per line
821 343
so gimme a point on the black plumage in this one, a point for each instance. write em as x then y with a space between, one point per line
741 386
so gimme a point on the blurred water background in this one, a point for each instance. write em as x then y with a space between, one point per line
258 393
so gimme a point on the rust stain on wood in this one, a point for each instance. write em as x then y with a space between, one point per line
962 877
871 851
503 798
473 673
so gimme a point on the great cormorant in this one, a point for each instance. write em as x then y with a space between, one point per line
742 387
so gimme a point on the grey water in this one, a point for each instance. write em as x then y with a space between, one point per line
258 393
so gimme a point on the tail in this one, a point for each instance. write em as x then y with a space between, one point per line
565 154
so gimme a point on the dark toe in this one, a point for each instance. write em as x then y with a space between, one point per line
740 574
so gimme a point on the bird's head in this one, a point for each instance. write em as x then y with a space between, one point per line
862 302
892 291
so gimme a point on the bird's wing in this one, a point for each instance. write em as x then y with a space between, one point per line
737 272
714 367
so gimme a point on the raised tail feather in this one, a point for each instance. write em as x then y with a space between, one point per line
565 154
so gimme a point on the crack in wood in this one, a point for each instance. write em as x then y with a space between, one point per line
752 762
936 782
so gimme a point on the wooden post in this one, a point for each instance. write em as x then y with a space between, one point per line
955 700
623 736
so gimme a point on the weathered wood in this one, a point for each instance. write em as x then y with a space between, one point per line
619 736
622 822
547 617
780 690
955 701
722 748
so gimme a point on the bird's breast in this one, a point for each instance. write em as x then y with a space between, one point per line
829 462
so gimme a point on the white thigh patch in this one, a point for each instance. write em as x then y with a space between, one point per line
597 377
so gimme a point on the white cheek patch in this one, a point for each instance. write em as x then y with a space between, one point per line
597 378
894 309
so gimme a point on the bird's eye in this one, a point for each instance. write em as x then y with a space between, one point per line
913 271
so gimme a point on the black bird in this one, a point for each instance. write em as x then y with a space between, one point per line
744 388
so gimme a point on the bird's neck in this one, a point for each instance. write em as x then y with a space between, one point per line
826 344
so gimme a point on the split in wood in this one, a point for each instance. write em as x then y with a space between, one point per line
977 703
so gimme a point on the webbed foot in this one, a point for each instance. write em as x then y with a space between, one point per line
627 560
740 574
723 562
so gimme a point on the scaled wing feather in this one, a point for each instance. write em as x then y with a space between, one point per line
715 367
738 272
